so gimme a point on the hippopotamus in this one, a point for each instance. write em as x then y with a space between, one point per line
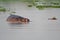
17 19
53 18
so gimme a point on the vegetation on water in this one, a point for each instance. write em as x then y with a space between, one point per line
2 9
29 5
40 4
13 12
42 7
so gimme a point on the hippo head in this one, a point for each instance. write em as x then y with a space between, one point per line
17 19
25 20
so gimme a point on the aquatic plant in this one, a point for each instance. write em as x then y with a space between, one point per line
2 9
29 5
13 12
40 4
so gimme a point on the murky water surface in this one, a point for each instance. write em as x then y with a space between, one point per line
39 29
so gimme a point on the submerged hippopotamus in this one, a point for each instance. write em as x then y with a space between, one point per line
53 18
17 19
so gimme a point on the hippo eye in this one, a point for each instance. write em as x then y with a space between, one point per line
28 20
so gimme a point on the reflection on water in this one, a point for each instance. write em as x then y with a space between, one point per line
17 26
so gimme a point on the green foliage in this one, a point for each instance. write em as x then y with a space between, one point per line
40 7
33 2
2 9
13 12
29 5
55 6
